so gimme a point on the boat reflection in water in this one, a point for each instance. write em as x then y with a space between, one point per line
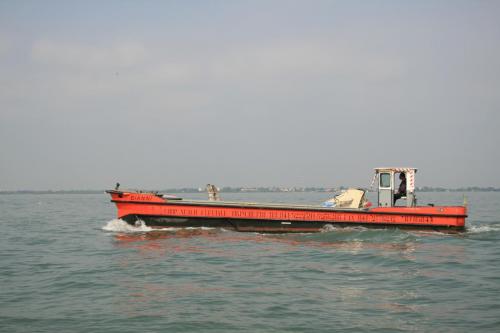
205 265
228 243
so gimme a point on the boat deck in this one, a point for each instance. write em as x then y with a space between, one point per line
259 205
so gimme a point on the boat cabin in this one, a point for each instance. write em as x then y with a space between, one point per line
388 185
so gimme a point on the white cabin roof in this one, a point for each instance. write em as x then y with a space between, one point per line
395 169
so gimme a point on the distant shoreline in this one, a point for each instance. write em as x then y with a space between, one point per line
254 190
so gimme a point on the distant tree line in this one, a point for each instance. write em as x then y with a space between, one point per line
260 189
460 189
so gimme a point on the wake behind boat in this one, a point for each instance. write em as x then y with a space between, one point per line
347 209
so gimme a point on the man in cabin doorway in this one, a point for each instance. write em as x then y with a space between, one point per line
402 188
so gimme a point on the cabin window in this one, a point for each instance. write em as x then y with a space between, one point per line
385 180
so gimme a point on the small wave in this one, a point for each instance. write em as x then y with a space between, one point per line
118 225
328 228
331 227
475 229
180 228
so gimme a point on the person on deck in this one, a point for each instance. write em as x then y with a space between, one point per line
402 188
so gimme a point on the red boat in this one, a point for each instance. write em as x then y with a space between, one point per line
347 209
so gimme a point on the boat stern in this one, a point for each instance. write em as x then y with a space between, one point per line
439 216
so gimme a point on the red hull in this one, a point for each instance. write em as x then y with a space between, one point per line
160 212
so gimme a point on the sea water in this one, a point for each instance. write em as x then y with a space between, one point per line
67 265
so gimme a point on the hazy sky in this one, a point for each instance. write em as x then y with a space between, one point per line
158 94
